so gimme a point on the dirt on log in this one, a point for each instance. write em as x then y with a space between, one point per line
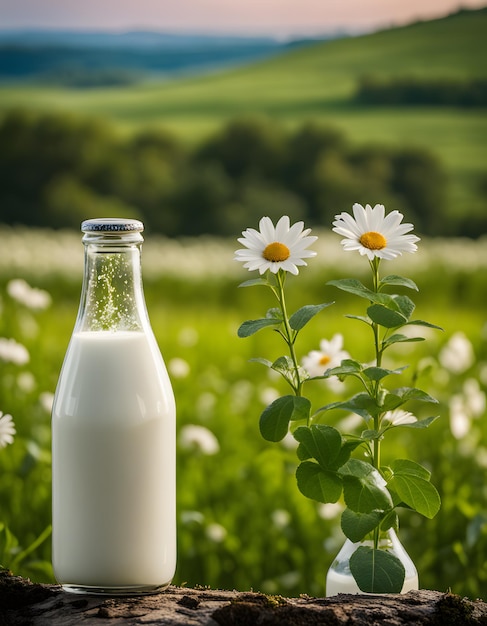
23 603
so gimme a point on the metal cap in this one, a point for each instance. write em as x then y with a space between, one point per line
112 225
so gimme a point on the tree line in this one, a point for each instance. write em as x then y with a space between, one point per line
413 91
57 169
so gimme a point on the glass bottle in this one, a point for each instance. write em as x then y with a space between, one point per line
113 431
339 578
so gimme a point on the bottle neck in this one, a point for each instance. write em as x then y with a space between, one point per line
112 296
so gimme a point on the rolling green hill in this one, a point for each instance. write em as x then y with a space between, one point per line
319 82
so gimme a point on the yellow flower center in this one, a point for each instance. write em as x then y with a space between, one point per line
325 359
373 240
276 252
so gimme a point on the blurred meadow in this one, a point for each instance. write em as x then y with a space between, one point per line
199 159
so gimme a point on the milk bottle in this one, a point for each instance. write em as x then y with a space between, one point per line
113 431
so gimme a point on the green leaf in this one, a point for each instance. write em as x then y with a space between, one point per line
356 526
423 323
301 317
399 338
360 318
405 305
274 421
386 317
322 442
391 520
416 492
411 468
378 373
361 404
398 280
317 483
377 571
347 366
364 488
250 327
412 393
255 281
352 285
261 360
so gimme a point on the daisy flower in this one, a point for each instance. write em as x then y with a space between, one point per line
375 234
330 355
275 248
398 417
7 430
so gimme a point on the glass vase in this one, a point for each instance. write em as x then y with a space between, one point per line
339 578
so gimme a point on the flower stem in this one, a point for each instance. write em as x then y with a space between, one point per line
289 334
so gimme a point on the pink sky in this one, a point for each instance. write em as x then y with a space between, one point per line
275 17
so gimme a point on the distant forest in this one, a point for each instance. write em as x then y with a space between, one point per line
56 170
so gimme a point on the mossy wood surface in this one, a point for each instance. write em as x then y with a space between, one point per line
22 603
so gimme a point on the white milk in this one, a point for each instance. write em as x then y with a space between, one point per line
113 429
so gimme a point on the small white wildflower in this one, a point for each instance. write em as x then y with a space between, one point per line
46 400
188 337
193 437
178 368
7 429
280 518
26 381
268 395
398 417
330 510
216 532
474 397
330 355
31 297
457 355
13 352
289 442
459 418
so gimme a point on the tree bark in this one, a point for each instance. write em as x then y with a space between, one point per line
23 603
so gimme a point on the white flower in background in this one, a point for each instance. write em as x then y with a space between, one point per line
474 397
31 297
188 337
46 400
268 395
216 532
26 382
330 354
7 430
275 248
280 518
373 233
465 406
178 368
398 417
330 510
289 443
457 354
13 352
193 437
459 419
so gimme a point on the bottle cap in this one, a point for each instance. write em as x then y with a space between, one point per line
112 225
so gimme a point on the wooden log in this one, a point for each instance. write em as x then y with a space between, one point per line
24 603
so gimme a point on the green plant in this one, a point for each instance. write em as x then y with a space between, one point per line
329 463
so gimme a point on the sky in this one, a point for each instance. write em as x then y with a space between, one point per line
279 18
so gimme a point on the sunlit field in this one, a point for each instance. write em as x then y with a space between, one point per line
241 521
